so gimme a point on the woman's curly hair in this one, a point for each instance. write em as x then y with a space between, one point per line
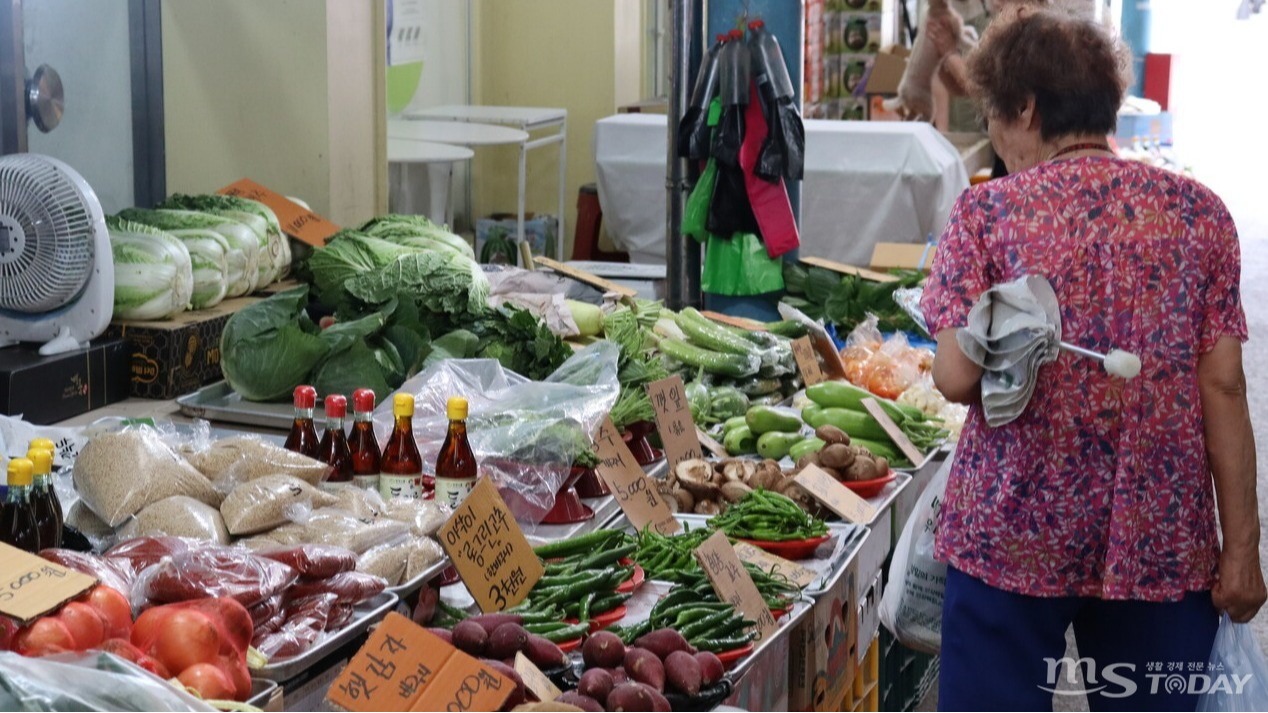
1077 73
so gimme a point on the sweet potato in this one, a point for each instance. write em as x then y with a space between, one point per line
490 622
596 683
630 697
644 666
444 635
506 640
585 703
544 653
663 642
470 637
711 668
683 672
603 650
517 695
660 704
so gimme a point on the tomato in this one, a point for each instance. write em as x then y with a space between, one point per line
187 638
46 636
8 630
208 680
86 625
114 610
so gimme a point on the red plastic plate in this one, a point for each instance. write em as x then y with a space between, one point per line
791 549
869 488
729 658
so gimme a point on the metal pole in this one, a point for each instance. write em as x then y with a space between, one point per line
12 79
682 254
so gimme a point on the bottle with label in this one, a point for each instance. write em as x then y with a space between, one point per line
44 502
401 468
17 520
45 444
456 464
363 444
303 435
334 444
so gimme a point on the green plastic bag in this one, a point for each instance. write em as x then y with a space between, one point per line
696 212
740 267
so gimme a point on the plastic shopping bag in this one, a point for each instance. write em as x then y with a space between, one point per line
1238 671
911 607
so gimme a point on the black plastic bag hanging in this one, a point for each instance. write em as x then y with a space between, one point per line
694 129
733 70
783 152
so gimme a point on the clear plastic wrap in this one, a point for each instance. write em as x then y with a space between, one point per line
423 553
423 516
313 561
331 526
118 473
212 572
525 434
81 518
135 555
351 587
267 610
388 560
106 571
262 504
90 681
229 462
178 516
359 501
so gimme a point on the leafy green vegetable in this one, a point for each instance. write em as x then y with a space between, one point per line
846 300
638 365
208 252
346 255
270 347
458 344
244 245
417 230
441 282
153 272
521 343
255 214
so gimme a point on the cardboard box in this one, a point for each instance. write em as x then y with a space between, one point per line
887 71
540 231
46 390
824 650
908 256
174 357
873 552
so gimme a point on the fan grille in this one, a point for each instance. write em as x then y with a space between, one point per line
46 218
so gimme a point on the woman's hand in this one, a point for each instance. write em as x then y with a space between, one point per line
1240 590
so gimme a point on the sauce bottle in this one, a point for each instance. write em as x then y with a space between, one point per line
362 444
46 444
44 502
17 520
334 444
303 435
401 468
456 464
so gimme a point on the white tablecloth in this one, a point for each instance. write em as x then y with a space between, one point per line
865 182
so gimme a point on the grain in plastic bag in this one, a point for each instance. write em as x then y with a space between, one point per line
117 474
262 504
228 462
332 526
178 516
82 519
423 516
388 560
423 553
357 500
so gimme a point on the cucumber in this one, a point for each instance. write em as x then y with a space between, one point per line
788 328
731 423
775 445
841 394
764 419
739 441
712 336
856 424
735 365
810 445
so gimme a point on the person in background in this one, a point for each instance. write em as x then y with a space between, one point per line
1096 508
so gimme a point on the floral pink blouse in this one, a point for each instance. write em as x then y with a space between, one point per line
1102 487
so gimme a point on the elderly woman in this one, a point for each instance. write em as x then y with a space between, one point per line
1095 508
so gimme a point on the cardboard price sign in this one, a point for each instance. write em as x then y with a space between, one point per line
750 325
808 361
584 277
894 432
673 420
711 444
842 268
296 220
32 586
732 583
801 576
534 680
634 491
835 496
402 667
489 550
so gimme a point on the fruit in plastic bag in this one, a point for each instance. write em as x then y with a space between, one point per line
135 555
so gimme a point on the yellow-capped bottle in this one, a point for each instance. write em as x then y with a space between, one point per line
456 464
401 468
17 520
44 502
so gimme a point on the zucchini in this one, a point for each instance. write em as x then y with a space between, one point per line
733 423
764 419
841 394
883 449
788 328
735 365
855 423
739 441
775 445
712 336
810 445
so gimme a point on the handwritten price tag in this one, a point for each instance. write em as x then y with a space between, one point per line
534 679
836 497
31 586
711 444
402 667
844 269
894 432
634 491
584 277
296 220
808 361
673 420
801 576
732 583
489 550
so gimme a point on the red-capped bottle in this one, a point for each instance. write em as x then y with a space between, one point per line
363 444
334 443
303 436
401 468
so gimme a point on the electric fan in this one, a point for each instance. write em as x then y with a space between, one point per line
56 269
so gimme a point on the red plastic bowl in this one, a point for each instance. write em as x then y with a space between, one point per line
869 488
635 581
570 646
730 658
791 549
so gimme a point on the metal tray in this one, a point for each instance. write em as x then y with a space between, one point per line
261 691
888 494
605 509
405 589
219 402
366 614
790 621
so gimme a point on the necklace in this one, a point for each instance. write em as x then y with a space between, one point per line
1089 146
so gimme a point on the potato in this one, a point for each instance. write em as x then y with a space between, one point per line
735 491
837 474
807 460
882 467
707 507
836 456
831 434
686 501
861 469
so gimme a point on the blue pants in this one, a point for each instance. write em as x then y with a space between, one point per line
1004 652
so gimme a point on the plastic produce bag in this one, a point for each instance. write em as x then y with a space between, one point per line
212 572
107 572
1238 671
387 560
138 554
734 77
178 516
525 434
229 462
90 681
351 587
313 561
783 150
117 474
911 607
332 526
740 266
262 504
768 200
693 130
424 517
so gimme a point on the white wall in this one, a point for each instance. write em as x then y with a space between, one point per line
446 66
87 43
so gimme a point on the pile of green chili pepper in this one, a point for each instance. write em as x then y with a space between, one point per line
763 515
667 557
581 576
